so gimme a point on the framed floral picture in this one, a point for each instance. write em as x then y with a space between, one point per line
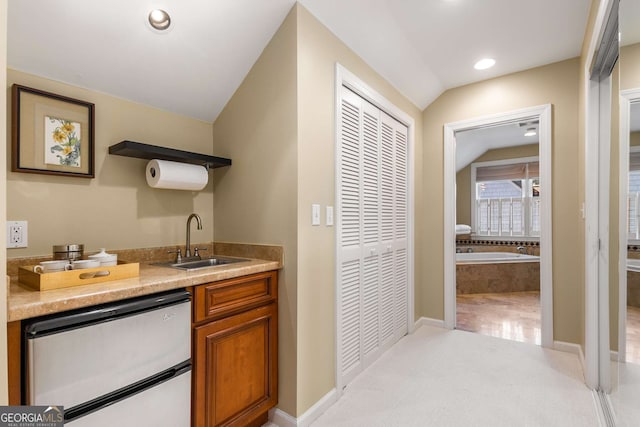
51 134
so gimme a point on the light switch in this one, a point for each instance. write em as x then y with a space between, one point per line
315 214
329 215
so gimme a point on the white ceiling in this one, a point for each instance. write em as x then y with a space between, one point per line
427 46
629 18
422 47
108 46
471 144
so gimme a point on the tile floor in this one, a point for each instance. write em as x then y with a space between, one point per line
510 315
633 334
516 316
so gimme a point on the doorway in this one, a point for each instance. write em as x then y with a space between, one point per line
452 134
629 199
498 198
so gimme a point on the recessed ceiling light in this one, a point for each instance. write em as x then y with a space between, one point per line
485 63
159 19
531 132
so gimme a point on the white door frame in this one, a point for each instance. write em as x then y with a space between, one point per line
627 97
543 114
346 78
597 136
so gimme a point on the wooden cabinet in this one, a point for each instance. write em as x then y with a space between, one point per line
235 363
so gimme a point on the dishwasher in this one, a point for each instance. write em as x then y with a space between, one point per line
126 363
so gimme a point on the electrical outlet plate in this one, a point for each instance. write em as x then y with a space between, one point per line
17 236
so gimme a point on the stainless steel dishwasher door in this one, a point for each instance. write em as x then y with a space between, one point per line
93 355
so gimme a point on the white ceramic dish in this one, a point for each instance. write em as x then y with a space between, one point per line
52 266
104 258
84 263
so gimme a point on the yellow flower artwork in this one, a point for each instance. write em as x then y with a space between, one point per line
62 141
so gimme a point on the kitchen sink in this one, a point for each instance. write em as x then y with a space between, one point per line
201 263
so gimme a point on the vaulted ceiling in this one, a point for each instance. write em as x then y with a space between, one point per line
422 47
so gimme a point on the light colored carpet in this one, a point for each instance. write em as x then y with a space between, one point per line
438 377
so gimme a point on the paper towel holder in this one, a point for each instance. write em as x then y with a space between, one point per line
140 150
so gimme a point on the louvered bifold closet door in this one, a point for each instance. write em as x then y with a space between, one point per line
395 217
371 233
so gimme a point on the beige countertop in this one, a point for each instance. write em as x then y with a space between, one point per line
24 303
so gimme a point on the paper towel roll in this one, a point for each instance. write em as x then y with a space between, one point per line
176 176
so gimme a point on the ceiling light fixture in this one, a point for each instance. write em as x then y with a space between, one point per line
159 19
485 63
530 132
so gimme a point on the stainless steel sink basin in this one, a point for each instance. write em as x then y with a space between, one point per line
201 263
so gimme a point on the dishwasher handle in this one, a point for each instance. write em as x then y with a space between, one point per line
79 318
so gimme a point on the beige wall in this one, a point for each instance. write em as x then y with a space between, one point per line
3 199
116 209
318 51
556 84
279 130
463 178
630 67
256 198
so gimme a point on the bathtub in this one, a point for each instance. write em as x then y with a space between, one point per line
490 272
633 282
633 264
495 258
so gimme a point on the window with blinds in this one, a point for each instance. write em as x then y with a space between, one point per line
633 199
506 198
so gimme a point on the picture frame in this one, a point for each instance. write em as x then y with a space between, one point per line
51 134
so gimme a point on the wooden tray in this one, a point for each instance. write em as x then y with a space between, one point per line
67 279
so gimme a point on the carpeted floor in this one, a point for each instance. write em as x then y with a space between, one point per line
439 377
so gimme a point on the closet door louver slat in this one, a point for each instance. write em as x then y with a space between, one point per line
371 233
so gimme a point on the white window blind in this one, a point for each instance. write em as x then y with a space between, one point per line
506 198
513 171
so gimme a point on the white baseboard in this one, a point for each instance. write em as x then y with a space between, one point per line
569 347
427 321
282 419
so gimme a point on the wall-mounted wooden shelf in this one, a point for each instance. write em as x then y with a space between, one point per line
150 152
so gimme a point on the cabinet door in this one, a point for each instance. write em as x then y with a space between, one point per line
235 368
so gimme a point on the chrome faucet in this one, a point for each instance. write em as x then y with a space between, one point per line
187 249
522 250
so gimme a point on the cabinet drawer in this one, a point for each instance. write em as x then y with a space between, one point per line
230 296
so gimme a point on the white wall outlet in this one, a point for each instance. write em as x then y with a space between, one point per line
315 214
17 236
329 218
